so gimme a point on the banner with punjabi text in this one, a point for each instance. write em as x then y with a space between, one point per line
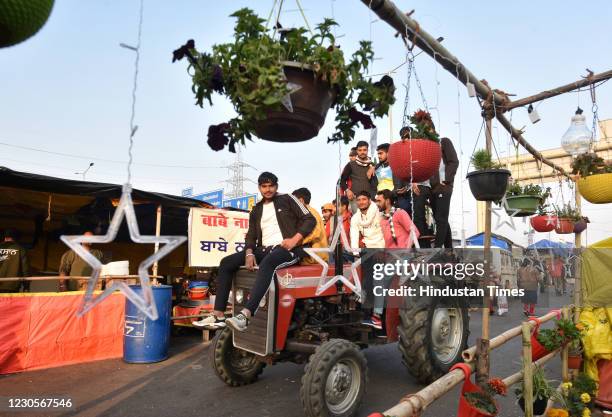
214 234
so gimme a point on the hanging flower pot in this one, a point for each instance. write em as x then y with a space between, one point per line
21 19
596 189
414 160
527 204
574 361
564 226
467 408
488 184
537 349
543 223
539 405
581 225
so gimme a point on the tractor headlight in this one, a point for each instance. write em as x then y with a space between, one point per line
262 303
239 296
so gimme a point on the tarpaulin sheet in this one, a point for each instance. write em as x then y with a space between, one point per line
41 330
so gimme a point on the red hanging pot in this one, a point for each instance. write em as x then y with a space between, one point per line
574 361
537 350
544 223
465 408
414 160
580 226
564 226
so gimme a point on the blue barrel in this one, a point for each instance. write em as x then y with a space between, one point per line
146 340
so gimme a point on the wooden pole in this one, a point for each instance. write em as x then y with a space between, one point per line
578 263
527 370
157 234
564 351
584 82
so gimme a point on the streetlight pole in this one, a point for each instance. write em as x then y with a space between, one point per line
84 173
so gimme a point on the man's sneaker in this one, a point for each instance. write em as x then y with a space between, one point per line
210 322
373 322
238 322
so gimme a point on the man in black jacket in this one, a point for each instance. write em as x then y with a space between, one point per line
277 225
362 175
441 192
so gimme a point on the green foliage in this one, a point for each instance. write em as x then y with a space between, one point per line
484 400
567 212
542 389
590 164
516 189
482 159
574 395
249 71
422 126
565 331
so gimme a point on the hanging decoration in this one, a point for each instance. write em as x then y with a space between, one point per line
125 209
282 82
577 139
512 212
594 178
21 19
489 181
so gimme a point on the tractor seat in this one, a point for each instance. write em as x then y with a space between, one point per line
310 271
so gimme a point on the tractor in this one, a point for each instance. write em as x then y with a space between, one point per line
324 330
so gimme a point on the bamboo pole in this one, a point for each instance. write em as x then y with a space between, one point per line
518 377
586 81
578 272
418 402
564 351
527 370
470 353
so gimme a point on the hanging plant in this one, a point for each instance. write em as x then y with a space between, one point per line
544 220
416 157
526 198
484 401
565 331
489 181
542 392
282 87
593 178
567 217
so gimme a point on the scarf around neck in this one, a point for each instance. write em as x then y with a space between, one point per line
389 217
363 162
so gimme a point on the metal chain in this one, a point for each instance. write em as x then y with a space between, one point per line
594 109
133 127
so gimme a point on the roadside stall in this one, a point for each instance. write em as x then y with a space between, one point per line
39 328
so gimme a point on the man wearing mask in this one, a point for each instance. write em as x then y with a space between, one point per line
13 262
361 174
277 225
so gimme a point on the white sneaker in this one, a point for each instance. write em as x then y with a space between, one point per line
210 322
238 323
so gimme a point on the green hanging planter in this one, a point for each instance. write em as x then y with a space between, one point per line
527 204
20 19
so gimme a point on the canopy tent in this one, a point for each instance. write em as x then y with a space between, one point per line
558 248
42 208
496 240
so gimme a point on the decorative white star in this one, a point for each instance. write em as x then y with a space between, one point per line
286 99
325 281
511 213
551 220
124 209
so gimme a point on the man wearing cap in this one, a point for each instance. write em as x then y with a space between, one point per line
277 225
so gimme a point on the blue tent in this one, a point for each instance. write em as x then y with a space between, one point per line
478 240
559 248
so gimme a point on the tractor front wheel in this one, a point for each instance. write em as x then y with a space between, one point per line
235 367
334 382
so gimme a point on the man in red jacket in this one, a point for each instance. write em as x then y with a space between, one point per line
396 223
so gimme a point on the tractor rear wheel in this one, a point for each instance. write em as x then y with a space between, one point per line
432 335
235 367
334 381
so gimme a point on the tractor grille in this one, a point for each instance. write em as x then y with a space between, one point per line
259 336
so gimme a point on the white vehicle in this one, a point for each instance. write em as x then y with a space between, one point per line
502 262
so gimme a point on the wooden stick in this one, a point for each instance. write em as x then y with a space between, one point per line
527 370
470 353
482 361
58 278
194 316
564 351
585 81
518 377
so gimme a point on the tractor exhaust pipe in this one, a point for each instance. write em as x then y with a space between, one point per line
299 347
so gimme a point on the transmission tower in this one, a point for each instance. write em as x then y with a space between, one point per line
236 176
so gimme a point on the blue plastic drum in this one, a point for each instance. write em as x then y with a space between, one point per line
146 340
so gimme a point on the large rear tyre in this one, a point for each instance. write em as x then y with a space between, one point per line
432 335
235 367
334 381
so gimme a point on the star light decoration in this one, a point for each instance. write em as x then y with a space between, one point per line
325 281
511 213
286 99
144 303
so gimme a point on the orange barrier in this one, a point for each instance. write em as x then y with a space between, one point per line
41 330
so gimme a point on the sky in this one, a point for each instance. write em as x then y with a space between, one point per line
67 91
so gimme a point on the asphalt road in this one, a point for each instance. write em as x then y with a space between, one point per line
185 385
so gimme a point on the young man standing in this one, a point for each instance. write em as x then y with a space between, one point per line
366 233
361 174
395 223
72 265
277 225
383 170
317 238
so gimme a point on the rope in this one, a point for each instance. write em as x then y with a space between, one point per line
270 14
303 16
280 8
420 404
134 128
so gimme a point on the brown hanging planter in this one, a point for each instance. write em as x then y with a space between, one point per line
310 105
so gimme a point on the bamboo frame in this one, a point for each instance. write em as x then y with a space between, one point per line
527 369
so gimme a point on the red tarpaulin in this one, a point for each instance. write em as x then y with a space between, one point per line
41 330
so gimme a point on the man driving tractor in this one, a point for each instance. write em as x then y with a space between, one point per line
277 225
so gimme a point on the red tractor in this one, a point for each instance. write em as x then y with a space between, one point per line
325 331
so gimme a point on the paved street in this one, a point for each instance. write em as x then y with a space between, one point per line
186 386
